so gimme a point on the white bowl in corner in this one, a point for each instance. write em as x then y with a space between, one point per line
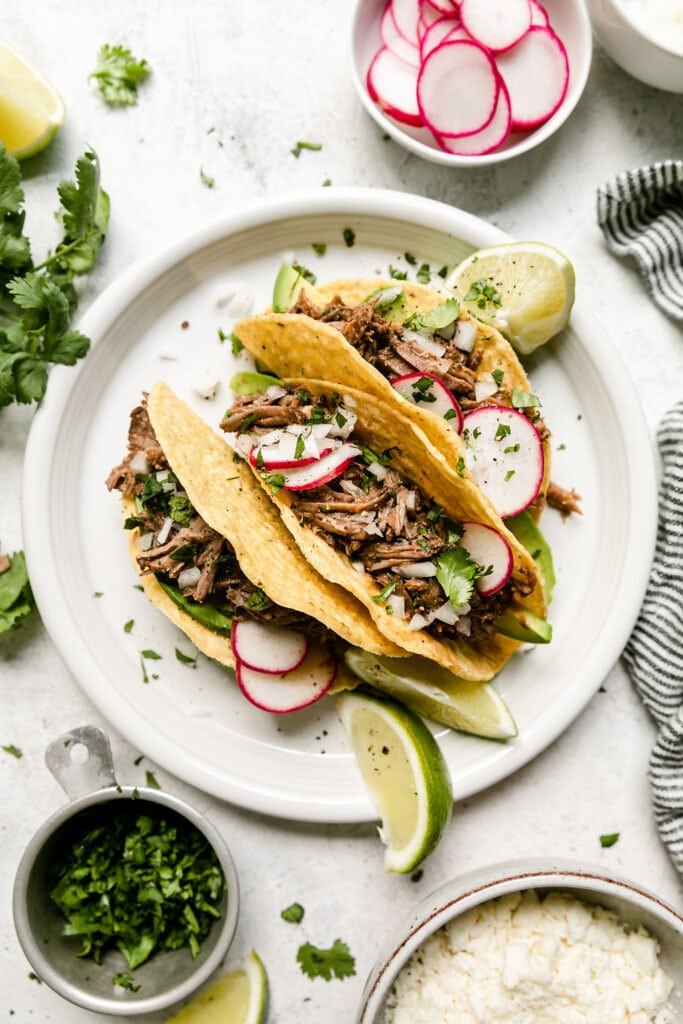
569 18
632 49
590 883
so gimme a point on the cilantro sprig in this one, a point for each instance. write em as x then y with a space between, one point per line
118 75
456 571
16 599
38 301
334 962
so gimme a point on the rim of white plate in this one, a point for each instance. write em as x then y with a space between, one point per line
371 203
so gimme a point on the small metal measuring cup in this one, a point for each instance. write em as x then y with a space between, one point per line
81 761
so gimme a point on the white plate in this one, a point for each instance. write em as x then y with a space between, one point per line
194 722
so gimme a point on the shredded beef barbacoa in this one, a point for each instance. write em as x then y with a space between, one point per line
380 524
221 580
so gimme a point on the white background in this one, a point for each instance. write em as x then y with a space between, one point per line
263 76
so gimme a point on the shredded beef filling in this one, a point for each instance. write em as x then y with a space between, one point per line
191 542
382 525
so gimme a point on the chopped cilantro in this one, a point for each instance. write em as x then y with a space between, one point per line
151 780
484 294
235 344
183 553
185 659
509 475
100 593
327 182
498 375
460 466
180 509
456 571
9 748
398 275
524 399
409 258
511 448
125 980
450 414
132 522
293 914
246 423
439 318
385 593
258 599
151 655
443 272
152 489
16 597
609 840
423 390
299 447
118 75
502 431
423 274
561 447
318 415
349 237
334 962
319 248
369 456
301 145
436 512
206 179
129 625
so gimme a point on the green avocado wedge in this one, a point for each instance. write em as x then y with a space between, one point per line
216 619
286 288
530 537
525 627
250 382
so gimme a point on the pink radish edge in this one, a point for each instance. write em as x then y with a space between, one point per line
488 547
307 478
436 101
490 473
444 397
291 691
406 14
532 99
394 41
391 83
284 463
496 24
437 32
267 648
489 138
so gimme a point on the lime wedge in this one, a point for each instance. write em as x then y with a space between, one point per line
434 692
30 109
525 289
239 997
405 772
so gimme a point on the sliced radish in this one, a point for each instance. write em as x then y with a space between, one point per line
539 15
266 648
504 454
428 15
457 89
289 691
536 74
444 6
489 138
436 33
405 14
488 547
283 454
307 478
496 24
428 392
394 41
392 84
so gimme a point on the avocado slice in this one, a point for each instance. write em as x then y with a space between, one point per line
530 537
524 626
249 382
286 288
217 619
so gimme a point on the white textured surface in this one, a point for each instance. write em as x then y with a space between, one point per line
262 85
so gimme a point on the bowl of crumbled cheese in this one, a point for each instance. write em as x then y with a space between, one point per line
644 37
542 941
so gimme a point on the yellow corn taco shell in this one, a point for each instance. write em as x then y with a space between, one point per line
230 501
295 345
381 426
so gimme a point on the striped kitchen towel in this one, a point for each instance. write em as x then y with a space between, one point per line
641 215
654 653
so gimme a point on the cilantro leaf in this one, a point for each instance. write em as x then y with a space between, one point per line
118 75
84 217
609 840
456 571
439 318
18 752
293 914
16 598
326 963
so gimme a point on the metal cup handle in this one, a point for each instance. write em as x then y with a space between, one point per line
81 761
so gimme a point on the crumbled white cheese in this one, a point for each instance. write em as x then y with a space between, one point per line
206 383
521 958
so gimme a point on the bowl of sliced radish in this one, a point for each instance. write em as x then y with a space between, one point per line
470 82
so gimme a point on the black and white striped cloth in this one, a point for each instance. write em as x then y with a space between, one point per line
654 653
641 215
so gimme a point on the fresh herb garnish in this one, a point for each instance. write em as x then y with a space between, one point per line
460 466
609 840
524 399
318 415
132 522
450 414
151 655
369 456
442 316
184 553
37 302
118 75
185 659
138 883
443 272
436 512
180 509
502 431
349 237
300 146
498 375
206 179
509 475
422 390
319 248
387 300
511 448
16 598
456 571
423 274
409 258
125 980
398 275
235 344
385 593
293 914
9 748
129 625
151 780
483 293
299 447
257 600
334 962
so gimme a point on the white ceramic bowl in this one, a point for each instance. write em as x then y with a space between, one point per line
634 50
569 19
629 901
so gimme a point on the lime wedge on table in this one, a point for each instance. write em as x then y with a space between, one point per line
434 692
30 109
525 289
405 772
239 997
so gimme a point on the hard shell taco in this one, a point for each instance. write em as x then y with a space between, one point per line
412 346
377 509
210 548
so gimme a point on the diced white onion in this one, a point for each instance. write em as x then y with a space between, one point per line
397 605
411 501
189 577
168 487
272 437
485 388
434 347
417 570
349 422
446 613
145 542
465 335
358 566
369 515
162 536
240 304
377 470
243 444
319 430
351 488
139 463
350 401
226 291
168 354
311 450
418 622
373 530
464 625
275 392
206 383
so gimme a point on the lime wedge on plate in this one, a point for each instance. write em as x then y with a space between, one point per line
405 772
525 289
434 692
239 997
30 109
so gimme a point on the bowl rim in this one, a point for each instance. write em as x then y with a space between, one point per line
33 949
531 139
640 32
488 882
